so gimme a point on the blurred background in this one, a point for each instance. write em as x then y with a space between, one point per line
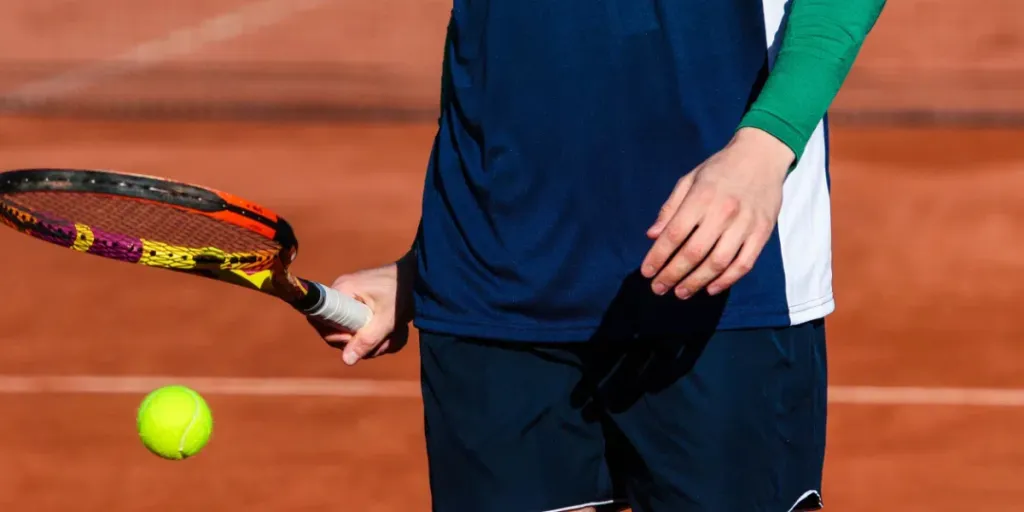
325 110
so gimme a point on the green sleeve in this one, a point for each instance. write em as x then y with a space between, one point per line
821 42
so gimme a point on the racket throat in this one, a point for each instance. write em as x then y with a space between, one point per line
312 300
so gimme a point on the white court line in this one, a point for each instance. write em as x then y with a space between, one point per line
297 387
182 41
291 387
879 395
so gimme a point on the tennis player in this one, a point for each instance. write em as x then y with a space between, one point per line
623 263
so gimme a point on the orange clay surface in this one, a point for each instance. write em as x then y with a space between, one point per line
929 268
929 271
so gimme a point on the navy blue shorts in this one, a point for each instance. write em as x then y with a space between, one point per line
732 421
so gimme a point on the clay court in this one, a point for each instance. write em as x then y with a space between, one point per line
926 369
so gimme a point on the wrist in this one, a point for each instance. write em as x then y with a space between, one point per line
767 151
770 148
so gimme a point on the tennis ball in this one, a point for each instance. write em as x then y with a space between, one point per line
174 422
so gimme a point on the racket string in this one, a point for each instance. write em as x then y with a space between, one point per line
130 230
127 218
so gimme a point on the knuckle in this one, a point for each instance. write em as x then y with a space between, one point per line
730 206
763 224
676 233
691 283
364 344
341 283
743 266
705 192
702 197
670 275
692 253
718 264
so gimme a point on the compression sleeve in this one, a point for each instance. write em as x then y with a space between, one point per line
821 42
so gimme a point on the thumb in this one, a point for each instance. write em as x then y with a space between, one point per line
364 342
668 209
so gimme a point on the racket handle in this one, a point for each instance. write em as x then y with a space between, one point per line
336 308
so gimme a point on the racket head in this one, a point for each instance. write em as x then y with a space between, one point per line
155 222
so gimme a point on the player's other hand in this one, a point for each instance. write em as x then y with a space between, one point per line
387 290
716 221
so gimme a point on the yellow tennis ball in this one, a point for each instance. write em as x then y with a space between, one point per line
174 422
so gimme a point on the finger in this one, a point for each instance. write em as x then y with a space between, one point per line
678 230
357 349
720 258
338 342
364 342
744 261
689 255
329 333
382 349
347 286
671 205
395 342
339 338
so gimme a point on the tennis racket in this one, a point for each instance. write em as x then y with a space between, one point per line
170 225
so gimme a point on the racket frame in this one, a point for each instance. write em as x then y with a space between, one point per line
308 297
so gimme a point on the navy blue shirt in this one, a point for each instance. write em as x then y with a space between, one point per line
564 126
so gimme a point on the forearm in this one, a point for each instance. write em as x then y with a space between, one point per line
821 42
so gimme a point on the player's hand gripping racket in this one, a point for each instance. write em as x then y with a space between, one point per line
174 226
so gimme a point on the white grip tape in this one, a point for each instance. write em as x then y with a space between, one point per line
341 310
